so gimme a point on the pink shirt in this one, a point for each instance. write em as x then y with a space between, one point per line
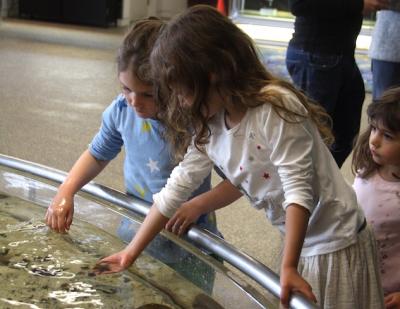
380 200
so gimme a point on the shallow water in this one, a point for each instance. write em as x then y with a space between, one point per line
42 269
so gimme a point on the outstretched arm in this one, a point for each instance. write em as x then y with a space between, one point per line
59 215
151 226
296 227
222 195
183 179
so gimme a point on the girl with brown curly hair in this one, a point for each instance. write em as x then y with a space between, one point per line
268 140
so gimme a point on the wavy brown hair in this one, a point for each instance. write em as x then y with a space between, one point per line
201 43
383 112
134 52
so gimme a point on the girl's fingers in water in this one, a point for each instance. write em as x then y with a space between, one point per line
68 222
61 224
102 267
50 222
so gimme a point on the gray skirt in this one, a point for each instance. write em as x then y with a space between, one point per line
348 278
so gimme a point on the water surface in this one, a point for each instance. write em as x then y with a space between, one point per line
42 269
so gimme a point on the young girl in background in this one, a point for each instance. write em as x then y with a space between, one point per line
376 162
265 137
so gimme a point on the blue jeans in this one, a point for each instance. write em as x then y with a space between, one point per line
335 82
385 74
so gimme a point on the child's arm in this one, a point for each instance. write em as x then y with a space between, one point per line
189 174
59 215
296 226
151 226
222 195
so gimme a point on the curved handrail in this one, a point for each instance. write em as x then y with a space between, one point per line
240 260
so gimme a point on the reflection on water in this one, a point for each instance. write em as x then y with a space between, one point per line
43 269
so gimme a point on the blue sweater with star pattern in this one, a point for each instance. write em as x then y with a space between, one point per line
148 161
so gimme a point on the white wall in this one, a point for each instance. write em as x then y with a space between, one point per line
166 9
135 9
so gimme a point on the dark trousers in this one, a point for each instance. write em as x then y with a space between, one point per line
335 82
385 74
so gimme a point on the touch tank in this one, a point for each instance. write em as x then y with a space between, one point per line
42 269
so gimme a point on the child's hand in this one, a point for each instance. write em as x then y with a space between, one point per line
392 301
182 219
291 281
113 263
60 213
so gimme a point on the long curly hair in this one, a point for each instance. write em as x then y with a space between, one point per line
134 52
201 43
383 112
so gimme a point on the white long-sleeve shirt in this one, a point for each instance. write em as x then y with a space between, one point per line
274 163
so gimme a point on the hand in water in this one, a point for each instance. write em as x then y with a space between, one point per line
113 263
60 213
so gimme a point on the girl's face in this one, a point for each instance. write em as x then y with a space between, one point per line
384 145
139 95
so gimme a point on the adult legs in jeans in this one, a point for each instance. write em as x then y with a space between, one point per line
335 82
385 74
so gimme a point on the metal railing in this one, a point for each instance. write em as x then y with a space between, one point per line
243 262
